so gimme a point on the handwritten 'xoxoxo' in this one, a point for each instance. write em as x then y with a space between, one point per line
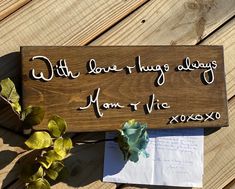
195 117
61 69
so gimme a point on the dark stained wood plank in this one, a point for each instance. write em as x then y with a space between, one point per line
64 96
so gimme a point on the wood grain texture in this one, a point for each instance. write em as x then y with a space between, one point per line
220 146
231 185
189 89
226 37
169 22
58 22
8 7
53 23
182 35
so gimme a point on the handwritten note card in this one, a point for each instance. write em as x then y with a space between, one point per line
176 159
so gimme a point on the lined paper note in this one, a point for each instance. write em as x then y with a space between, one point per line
176 159
179 157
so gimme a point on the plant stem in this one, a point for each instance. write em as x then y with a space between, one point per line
8 102
95 141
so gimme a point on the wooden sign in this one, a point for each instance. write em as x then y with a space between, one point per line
99 88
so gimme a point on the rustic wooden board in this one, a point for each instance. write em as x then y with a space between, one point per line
181 90
164 22
7 7
61 22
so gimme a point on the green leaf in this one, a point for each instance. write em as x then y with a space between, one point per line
49 158
52 156
8 91
37 175
39 184
43 161
57 126
54 170
31 172
62 146
57 166
16 106
52 174
39 140
32 116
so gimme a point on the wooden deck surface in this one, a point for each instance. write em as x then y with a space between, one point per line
115 22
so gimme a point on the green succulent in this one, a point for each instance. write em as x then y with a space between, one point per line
133 139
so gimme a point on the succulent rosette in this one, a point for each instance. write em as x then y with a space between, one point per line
133 139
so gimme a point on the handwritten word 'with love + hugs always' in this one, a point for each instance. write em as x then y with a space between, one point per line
61 69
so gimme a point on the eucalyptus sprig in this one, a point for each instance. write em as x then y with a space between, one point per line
52 149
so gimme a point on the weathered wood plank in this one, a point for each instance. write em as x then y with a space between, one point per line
7 7
169 22
220 146
226 37
61 22
122 88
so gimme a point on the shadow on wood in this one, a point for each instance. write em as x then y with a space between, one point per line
14 174
85 162
6 157
10 66
208 131
85 165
